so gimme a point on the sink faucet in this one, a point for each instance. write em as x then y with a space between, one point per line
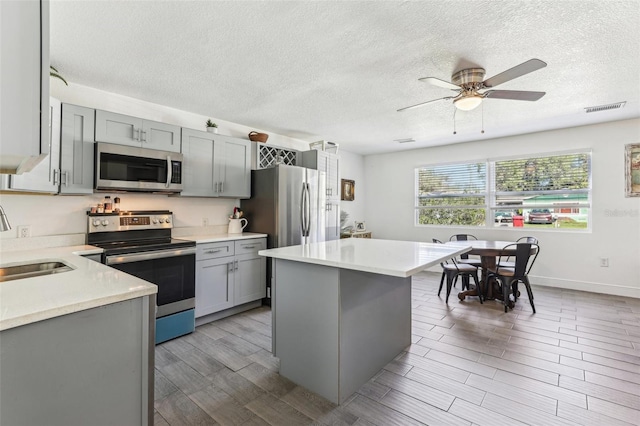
4 222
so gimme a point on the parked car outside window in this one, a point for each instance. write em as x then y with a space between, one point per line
504 217
540 216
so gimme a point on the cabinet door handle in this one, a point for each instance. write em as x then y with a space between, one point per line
56 173
222 186
230 267
143 134
136 135
236 262
248 247
213 251
66 178
216 187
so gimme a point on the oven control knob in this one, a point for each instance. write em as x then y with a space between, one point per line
168 220
105 222
161 220
155 220
96 222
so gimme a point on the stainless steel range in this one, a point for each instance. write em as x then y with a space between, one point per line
139 243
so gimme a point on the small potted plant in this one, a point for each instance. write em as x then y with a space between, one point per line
212 127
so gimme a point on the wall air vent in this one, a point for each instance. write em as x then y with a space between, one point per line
406 140
605 107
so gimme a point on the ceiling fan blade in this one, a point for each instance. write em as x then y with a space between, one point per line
424 103
516 95
440 83
515 72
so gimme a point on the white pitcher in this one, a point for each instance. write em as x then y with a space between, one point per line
236 226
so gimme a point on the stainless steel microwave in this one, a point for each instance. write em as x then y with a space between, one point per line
127 168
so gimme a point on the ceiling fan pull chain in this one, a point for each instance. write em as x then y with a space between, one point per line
482 106
454 120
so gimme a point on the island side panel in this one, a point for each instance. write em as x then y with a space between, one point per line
375 325
306 325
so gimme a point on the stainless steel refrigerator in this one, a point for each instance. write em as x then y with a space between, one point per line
288 204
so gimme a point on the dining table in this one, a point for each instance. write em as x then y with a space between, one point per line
488 251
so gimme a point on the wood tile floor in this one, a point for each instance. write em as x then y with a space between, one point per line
576 361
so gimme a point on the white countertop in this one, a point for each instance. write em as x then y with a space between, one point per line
386 257
214 238
89 285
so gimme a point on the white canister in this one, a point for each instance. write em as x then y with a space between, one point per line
236 226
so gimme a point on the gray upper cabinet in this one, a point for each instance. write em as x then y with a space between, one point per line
328 163
68 168
77 150
133 131
215 165
45 176
24 84
234 166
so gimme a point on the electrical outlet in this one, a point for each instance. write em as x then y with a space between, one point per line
205 221
24 231
604 262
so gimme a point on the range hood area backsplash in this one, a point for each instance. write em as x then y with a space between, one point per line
61 215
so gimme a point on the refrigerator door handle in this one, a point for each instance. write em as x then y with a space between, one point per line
308 209
303 221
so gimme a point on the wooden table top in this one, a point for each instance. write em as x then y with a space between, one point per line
486 247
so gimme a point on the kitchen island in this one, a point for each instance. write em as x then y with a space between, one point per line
342 309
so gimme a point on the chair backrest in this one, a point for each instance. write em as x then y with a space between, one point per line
462 237
526 255
444 262
530 240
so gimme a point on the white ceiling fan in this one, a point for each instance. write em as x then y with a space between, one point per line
471 89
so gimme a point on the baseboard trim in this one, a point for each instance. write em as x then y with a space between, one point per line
593 287
227 312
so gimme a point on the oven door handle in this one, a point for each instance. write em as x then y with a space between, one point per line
139 257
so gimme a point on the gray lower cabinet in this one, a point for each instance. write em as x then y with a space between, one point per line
68 168
229 274
133 131
215 165
93 367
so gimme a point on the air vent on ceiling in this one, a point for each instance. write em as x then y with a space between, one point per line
605 107
406 140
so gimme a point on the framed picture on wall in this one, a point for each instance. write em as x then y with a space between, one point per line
348 192
632 170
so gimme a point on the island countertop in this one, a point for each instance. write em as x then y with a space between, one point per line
386 257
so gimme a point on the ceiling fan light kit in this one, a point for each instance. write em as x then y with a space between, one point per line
467 103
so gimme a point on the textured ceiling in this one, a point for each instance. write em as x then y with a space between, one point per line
339 70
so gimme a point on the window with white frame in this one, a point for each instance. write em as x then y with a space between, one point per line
552 191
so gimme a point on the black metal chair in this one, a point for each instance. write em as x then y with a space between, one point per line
464 258
525 257
508 262
454 270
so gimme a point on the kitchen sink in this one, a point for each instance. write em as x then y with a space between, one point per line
29 270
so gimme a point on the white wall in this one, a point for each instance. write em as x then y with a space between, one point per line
55 215
567 259
352 167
